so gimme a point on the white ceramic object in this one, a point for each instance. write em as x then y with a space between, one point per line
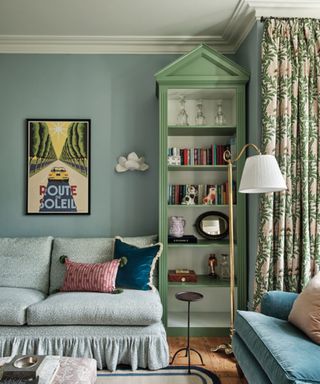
131 163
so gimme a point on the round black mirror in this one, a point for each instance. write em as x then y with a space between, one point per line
212 225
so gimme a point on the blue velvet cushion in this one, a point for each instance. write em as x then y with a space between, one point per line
138 271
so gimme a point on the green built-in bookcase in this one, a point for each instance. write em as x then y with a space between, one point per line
205 75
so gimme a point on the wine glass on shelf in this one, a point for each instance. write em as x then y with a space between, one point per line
220 118
182 118
200 118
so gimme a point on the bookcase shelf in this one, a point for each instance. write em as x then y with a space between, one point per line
208 206
203 281
198 168
176 130
205 81
219 244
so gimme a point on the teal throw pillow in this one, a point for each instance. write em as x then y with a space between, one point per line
137 273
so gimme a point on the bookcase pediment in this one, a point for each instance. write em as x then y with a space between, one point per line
202 62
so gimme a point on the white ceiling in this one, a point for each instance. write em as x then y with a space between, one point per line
135 26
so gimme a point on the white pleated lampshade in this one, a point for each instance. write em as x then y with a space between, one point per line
261 174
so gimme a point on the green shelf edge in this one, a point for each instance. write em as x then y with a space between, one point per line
201 243
203 281
205 130
198 168
211 206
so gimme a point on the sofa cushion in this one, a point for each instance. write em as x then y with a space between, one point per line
285 353
94 277
85 250
305 313
137 273
130 307
27 262
14 302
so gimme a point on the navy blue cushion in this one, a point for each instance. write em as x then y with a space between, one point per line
286 354
137 272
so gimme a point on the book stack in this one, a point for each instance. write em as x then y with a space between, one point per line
204 194
185 239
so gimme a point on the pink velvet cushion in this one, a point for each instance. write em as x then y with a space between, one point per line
90 277
305 313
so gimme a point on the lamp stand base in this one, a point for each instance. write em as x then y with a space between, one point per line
226 348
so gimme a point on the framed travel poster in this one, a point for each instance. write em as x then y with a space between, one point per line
58 174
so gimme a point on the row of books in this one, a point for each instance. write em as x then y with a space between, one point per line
199 156
212 155
208 194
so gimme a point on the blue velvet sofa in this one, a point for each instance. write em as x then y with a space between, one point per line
269 349
35 318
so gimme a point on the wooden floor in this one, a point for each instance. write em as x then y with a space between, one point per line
222 365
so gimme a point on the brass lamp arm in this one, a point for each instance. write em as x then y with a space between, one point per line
227 153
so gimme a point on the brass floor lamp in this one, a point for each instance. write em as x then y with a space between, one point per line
261 174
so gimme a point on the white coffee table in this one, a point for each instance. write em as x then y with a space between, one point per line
72 370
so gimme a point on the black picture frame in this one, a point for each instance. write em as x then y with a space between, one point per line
58 167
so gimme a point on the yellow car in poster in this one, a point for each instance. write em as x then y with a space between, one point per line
58 174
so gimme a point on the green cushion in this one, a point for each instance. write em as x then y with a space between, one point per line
26 261
14 302
284 352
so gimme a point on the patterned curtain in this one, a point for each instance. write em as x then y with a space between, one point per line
289 233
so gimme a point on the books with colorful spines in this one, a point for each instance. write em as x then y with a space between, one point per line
195 156
219 154
176 194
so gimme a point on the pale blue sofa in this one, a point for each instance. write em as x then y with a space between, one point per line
271 350
114 329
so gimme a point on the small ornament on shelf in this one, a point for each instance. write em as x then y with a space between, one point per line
200 118
176 226
211 196
182 118
224 267
212 264
220 118
190 197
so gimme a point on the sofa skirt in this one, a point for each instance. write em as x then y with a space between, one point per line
136 346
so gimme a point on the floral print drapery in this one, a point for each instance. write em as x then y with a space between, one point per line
289 233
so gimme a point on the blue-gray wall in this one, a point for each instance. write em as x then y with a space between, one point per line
249 56
118 93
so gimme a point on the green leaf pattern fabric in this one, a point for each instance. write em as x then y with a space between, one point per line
289 231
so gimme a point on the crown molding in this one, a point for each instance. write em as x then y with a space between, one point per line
245 15
108 44
239 26
285 8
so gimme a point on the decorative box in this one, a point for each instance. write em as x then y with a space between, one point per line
182 275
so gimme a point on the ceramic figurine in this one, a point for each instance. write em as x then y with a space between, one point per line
212 263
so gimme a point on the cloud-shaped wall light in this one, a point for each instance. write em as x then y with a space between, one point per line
132 163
